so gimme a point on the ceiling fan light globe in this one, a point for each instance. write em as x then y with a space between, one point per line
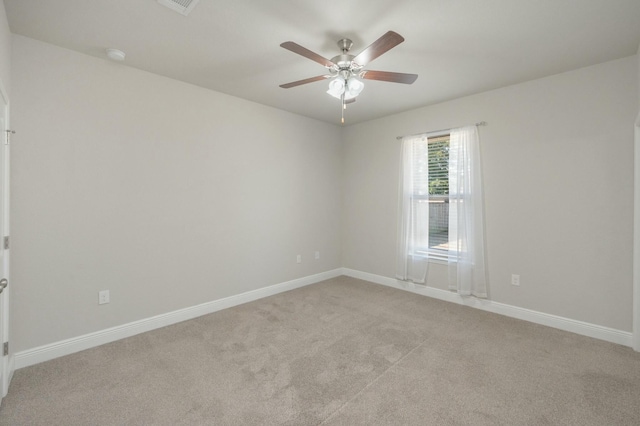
336 87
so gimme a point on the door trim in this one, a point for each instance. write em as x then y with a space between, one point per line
7 363
636 236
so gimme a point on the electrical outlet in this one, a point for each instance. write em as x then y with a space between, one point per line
103 297
515 279
317 255
299 258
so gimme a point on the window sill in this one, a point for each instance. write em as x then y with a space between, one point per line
439 261
432 259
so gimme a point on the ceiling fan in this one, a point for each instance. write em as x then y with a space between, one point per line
346 70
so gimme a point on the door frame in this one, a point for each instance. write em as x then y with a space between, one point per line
6 362
636 235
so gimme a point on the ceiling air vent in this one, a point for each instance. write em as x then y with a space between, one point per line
181 6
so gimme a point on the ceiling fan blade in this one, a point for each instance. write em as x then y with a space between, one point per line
393 77
305 81
388 41
296 48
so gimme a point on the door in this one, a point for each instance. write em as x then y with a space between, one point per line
6 369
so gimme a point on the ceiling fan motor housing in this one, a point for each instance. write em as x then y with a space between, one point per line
343 61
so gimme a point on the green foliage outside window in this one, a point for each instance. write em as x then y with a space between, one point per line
438 166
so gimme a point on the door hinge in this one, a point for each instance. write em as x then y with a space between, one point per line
9 132
5 349
6 242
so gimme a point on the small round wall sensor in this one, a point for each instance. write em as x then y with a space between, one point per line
116 55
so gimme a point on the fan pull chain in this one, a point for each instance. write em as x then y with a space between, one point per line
344 106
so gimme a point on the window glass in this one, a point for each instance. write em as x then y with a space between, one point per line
431 194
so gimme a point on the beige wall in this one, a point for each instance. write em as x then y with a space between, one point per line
167 194
558 169
5 51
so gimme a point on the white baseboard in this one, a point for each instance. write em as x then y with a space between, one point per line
80 343
66 347
579 327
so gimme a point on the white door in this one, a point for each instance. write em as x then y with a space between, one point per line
6 369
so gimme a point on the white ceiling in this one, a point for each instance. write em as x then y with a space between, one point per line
457 47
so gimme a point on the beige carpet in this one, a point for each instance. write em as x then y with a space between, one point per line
341 352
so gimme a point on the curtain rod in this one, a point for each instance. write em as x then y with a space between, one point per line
482 123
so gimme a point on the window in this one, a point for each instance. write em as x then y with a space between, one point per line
440 209
430 197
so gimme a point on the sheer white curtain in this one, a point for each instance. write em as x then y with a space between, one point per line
413 223
467 273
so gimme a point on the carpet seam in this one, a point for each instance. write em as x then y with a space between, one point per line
373 381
